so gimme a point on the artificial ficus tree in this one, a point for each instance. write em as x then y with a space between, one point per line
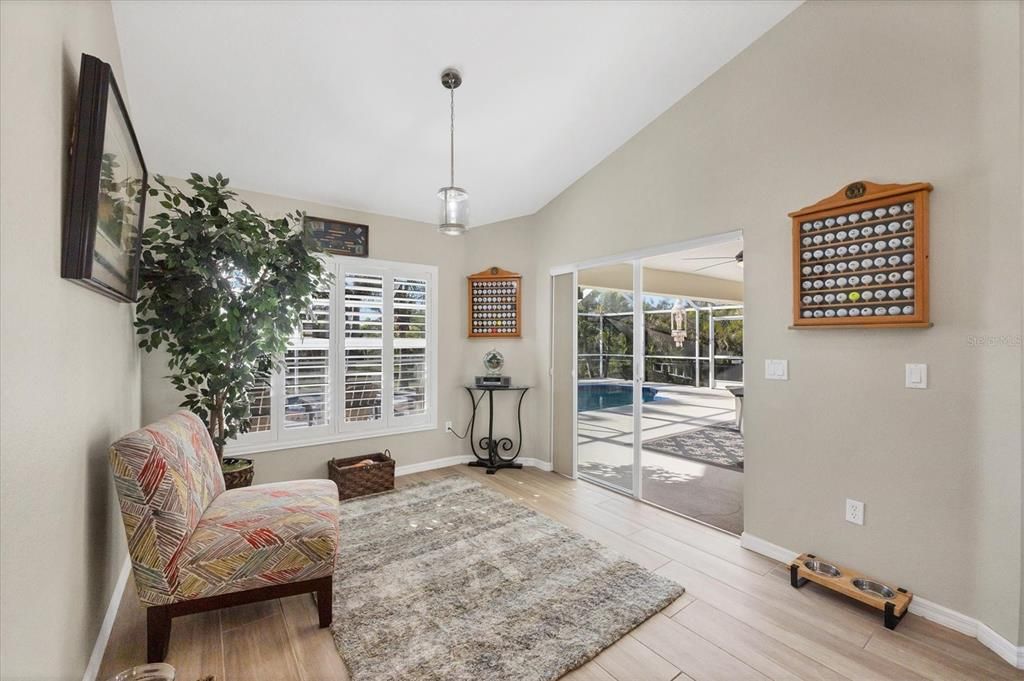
222 289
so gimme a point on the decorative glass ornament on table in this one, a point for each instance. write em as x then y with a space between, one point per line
494 362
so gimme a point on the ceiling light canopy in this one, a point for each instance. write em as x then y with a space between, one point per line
454 200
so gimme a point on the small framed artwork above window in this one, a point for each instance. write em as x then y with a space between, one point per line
106 199
337 237
362 363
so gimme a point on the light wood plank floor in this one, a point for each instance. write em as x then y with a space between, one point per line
739 619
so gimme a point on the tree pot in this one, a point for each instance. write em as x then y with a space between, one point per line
237 472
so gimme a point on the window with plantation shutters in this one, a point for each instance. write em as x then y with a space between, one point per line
307 368
260 406
362 362
410 370
364 346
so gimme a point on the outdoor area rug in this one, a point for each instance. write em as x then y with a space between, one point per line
450 581
717 445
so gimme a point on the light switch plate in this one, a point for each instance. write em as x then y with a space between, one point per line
776 369
917 376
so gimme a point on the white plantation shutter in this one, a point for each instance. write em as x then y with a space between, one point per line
410 367
307 368
260 406
362 363
364 346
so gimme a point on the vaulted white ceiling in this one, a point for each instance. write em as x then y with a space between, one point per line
340 102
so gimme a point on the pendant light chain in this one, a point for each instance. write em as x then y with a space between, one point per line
451 139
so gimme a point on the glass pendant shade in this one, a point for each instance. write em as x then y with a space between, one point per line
454 200
454 210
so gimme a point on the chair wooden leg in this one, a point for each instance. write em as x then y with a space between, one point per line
158 632
324 602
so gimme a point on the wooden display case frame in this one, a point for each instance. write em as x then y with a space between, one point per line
861 196
495 274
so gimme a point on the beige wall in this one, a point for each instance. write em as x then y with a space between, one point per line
508 245
665 282
390 239
563 373
840 91
1020 156
70 369
459 359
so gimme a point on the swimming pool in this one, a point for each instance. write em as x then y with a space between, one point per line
593 396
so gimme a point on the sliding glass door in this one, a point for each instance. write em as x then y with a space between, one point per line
726 343
652 373
607 376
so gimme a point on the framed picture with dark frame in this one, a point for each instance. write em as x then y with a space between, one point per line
338 237
106 200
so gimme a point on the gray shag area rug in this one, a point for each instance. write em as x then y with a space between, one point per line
716 445
450 581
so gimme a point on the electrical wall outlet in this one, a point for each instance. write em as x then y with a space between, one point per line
448 427
855 511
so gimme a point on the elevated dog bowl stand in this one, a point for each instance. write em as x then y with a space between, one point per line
893 602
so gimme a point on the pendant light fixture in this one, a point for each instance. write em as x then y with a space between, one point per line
454 200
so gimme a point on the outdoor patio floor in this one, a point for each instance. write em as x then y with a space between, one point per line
707 493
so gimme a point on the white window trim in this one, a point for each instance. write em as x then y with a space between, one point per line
278 438
241 448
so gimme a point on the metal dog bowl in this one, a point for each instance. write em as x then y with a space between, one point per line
822 568
874 588
147 672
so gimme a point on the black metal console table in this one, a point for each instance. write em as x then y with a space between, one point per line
494 459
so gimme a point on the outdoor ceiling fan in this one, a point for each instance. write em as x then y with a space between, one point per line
738 259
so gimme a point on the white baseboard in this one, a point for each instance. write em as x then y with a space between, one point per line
947 617
766 548
434 464
940 614
969 626
536 463
431 465
1000 646
100 647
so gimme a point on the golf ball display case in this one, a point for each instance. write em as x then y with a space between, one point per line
495 304
860 257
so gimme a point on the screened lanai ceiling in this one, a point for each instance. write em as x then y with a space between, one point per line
714 260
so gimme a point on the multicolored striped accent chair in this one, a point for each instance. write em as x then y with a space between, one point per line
195 546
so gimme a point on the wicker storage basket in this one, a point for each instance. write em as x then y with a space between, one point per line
237 476
355 479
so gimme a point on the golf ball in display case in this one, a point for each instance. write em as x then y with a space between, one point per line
866 249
